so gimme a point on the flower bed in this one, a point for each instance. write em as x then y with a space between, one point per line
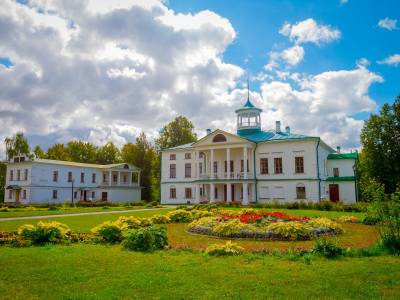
263 225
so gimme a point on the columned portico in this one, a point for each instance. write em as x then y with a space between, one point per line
245 162
212 193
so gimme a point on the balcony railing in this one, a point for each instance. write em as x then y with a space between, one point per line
224 175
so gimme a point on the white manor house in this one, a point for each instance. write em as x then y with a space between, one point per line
257 166
54 181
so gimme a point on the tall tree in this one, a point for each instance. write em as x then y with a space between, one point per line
38 152
2 180
178 132
58 152
16 145
380 139
80 151
108 154
141 154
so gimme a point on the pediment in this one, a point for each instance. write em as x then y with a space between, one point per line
220 137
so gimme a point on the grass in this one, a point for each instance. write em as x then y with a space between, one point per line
107 272
81 223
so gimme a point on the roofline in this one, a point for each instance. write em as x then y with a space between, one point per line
225 132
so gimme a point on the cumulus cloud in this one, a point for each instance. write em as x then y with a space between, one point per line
363 62
309 31
329 99
391 60
389 24
105 70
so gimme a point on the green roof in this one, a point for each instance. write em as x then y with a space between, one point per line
248 106
182 147
258 136
341 178
352 155
83 165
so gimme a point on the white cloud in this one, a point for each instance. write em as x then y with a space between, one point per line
389 24
329 99
391 60
363 62
342 2
308 31
293 55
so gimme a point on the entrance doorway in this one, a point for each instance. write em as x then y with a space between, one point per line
334 192
17 192
225 192
104 196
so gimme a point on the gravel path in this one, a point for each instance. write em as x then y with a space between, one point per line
80 214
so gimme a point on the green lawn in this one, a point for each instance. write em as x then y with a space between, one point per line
107 272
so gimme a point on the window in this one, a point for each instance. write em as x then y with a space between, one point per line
75 195
225 166
201 192
24 194
219 138
172 171
188 170
115 178
11 175
188 193
26 174
55 176
105 177
82 177
216 193
18 175
278 165
336 172
172 157
172 193
10 194
231 165
55 192
299 164
242 166
301 192
125 179
188 155
69 176
93 195
264 165
94 178
22 159
215 167
200 168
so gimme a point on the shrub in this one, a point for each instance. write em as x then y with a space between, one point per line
44 232
326 223
145 239
53 208
159 219
132 222
227 249
110 232
230 228
197 214
291 230
328 248
204 222
180 216
348 219
4 209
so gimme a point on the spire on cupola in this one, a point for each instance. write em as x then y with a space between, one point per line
248 116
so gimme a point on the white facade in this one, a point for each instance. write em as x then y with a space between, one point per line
52 181
269 165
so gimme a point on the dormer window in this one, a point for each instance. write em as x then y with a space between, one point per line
219 138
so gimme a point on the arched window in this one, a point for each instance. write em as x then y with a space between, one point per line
219 138
300 191
126 166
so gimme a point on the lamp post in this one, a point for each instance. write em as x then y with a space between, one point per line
72 191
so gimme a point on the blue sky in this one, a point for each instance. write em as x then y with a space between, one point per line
105 71
258 22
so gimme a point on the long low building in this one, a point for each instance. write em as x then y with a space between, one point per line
257 166
54 181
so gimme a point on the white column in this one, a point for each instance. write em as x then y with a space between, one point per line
245 162
119 178
197 160
109 178
197 191
138 178
245 195
228 162
212 163
228 192
212 193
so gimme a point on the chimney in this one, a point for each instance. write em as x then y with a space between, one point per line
208 131
287 128
338 149
278 126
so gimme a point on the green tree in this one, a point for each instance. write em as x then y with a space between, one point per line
16 145
156 178
141 154
38 152
58 152
80 151
3 169
380 139
108 154
178 132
